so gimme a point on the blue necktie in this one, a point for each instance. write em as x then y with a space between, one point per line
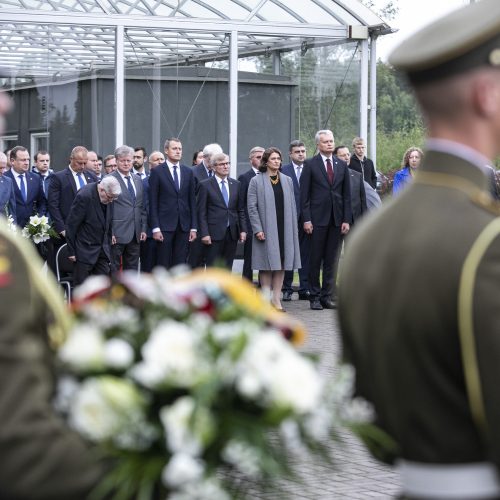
210 173
224 192
23 186
43 185
176 178
80 180
130 187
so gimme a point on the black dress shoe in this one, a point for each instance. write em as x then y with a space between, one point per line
328 304
305 295
287 296
316 305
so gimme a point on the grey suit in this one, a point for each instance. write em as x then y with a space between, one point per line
129 221
262 214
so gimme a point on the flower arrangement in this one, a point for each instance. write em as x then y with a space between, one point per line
38 229
11 224
190 383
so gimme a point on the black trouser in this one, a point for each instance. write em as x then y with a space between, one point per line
148 255
83 271
126 255
247 259
222 251
305 248
325 245
173 250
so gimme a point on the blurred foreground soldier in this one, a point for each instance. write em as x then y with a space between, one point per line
423 329
41 458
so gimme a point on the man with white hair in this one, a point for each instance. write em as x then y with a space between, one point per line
88 230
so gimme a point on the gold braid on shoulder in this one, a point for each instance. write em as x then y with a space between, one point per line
46 287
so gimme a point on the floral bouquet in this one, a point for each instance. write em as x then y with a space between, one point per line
11 224
38 229
192 385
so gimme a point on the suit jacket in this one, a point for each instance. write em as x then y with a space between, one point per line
31 430
358 195
130 216
289 170
170 208
213 215
35 200
88 230
7 197
321 201
419 313
365 167
244 180
62 192
200 174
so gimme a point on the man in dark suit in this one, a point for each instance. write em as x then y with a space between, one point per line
89 231
255 156
326 212
221 213
362 164
129 217
28 188
173 206
42 168
297 153
358 194
64 185
418 300
201 172
7 195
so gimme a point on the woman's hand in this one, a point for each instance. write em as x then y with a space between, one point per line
260 236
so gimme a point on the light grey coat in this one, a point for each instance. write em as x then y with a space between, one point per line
130 218
262 214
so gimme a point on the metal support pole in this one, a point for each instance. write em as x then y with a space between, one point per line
277 62
119 86
363 95
233 102
373 100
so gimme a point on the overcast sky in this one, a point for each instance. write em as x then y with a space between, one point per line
412 15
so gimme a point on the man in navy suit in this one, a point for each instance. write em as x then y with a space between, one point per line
88 230
28 188
7 196
173 206
65 184
255 156
297 152
326 211
221 213
201 172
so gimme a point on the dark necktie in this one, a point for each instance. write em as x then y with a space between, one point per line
130 187
210 173
176 178
23 186
224 192
329 170
80 180
44 178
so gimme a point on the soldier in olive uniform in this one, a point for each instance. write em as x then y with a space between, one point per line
419 298
40 457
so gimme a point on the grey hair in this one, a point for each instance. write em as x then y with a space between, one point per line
211 149
78 149
111 185
168 141
218 157
124 150
256 149
322 132
3 157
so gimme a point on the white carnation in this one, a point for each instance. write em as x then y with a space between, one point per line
118 354
169 356
84 349
182 468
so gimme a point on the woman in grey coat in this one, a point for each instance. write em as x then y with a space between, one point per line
273 217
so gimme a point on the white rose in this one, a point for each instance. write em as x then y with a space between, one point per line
118 354
169 356
84 349
111 409
182 468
